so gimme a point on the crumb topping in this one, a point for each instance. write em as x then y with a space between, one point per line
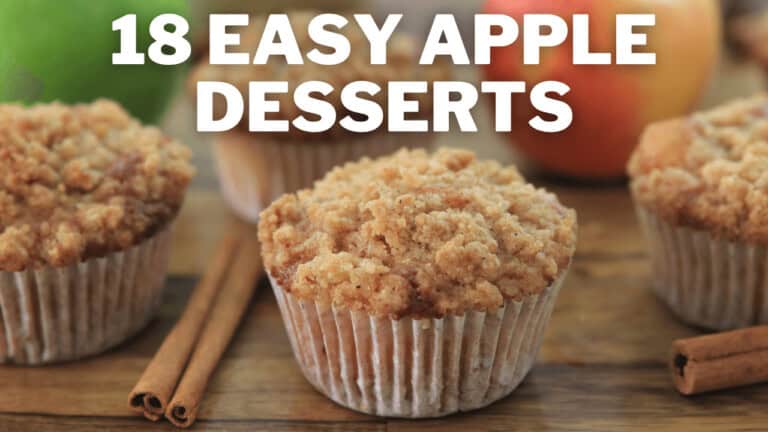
402 65
419 235
709 171
82 181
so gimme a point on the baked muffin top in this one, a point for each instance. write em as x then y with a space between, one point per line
418 235
709 171
402 65
82 181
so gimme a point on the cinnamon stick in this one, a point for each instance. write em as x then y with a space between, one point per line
225 316
720 361
155 387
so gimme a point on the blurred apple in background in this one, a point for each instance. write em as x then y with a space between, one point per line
611 104
62 50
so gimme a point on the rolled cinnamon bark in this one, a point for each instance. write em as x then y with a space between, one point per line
231 303
155 388
720 361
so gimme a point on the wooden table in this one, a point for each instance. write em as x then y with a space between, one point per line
601 366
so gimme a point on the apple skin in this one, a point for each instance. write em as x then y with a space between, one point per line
611 104
62 51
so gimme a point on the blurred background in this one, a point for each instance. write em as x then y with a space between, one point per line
708 51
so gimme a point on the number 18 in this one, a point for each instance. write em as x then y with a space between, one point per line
162 37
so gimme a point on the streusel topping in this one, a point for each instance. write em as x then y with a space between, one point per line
418 235
709 171
402 65
82 181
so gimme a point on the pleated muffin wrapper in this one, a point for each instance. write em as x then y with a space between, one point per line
416 368
56 314
256 169
707 281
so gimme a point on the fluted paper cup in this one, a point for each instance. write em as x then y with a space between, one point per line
52 314
416 368
707 281
255 169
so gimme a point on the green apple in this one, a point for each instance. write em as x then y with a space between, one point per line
62 50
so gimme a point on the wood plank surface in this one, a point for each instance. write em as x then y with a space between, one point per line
601 367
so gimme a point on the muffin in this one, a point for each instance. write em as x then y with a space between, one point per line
87 197
417 285
701 189
255 168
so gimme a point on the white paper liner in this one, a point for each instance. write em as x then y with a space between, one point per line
416 368
706 281
256 169
59 314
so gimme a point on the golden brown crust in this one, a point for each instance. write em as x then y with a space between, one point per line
402 65
663 145
418 235
709 171
82 181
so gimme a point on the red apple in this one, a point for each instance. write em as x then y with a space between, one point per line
611 103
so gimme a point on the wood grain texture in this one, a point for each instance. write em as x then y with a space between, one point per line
13 423
601 367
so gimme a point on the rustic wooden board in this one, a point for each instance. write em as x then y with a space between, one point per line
601 367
